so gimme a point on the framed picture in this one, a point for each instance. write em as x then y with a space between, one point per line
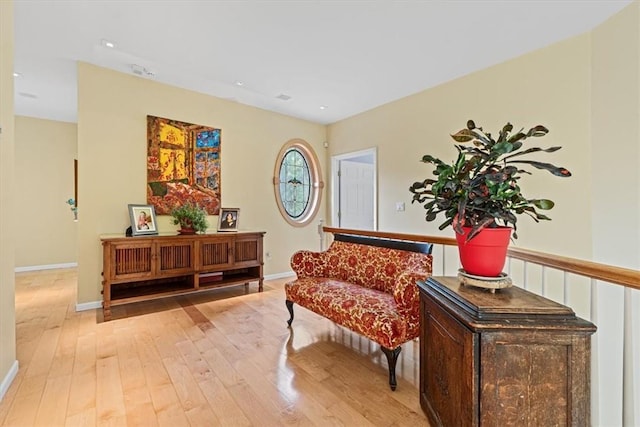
143 220
228 220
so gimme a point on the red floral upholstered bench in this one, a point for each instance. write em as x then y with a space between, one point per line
365 284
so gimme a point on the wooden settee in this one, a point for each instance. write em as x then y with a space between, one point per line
365 284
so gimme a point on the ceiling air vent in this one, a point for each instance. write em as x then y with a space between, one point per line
141 71
283 97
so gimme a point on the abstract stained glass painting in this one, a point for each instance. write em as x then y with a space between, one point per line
183 165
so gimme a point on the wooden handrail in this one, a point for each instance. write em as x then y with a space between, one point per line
594 270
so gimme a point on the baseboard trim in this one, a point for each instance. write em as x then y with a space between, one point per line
8 379
45 267
279 275
91 305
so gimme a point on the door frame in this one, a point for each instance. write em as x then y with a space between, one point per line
335 180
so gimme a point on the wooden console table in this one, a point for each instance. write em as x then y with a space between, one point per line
146 267
509 358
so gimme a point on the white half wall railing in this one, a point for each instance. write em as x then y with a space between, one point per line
606 295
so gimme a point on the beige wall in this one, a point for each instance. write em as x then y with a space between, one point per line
615 125
112 110
550 86
8 363
45 151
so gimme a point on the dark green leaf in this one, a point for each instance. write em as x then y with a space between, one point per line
430 159
471 125
517 137
555 170
502 148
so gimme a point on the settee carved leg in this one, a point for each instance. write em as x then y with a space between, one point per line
392 357
290 308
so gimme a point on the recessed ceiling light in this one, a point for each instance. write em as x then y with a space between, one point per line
16 74
28 95
323 107
239 83
107 43
284 97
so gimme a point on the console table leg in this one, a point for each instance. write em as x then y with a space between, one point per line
260 285
392 358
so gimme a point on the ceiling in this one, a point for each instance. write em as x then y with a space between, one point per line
346 56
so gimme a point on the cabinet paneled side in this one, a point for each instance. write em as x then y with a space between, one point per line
533 378
449 395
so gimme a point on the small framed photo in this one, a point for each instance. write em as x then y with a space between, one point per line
228 220
143 220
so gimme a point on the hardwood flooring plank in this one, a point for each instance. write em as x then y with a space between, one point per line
185 386
226 410
82 394
53 407
44 352
139 407
82 419
197 365
23 410
85 356
201 416
109 394
167 406
253 408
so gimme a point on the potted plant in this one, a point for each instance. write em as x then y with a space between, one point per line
191 218
479 193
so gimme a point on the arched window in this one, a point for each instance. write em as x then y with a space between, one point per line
297 183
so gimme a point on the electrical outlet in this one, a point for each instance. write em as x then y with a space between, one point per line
267 254
399 206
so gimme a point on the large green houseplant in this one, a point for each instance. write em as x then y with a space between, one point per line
480 189
191 218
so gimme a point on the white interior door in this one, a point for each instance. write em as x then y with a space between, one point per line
355 190
356 195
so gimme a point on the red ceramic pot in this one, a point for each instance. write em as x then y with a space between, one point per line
486 253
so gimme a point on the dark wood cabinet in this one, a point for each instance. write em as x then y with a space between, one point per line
511 358
145 267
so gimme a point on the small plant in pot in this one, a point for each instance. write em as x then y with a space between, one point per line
191 218
479 193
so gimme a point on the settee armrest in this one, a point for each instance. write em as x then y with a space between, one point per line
405 291
309 264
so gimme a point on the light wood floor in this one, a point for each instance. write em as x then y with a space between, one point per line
224 358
